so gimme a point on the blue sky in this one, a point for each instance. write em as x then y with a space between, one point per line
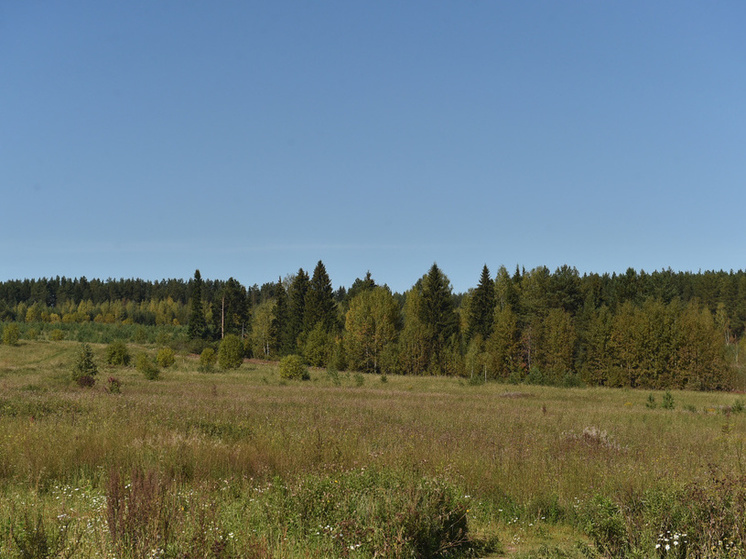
248 139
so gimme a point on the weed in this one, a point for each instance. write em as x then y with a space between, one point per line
34 540
138 513
114 385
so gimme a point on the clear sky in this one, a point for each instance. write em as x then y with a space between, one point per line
251 138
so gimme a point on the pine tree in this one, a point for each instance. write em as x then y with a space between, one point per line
197 325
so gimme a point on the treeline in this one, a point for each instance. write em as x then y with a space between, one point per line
660 330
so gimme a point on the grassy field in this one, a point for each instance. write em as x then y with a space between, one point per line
244 464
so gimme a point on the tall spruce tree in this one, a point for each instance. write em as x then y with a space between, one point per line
481 310
281 321
197 324
438 314
320 305
297 308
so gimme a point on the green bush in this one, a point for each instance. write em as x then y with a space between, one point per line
668 403
10 334
230 353
165 357
292 367
147 366
207 360
56 335
84 370
117 354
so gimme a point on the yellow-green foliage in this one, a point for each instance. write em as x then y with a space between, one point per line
292 367
165 357
10 334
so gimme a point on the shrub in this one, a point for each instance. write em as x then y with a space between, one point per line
207 360
56 335
292 367
115 385
84 369
333 375
317 350
165 357
117 354
147 366
230 353
605 525
10 334
668 403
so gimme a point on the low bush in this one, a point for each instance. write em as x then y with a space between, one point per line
147 366
165 357
11 334
230 352
117 354
207 360
57 335
292 367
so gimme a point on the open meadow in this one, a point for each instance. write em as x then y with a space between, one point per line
244 464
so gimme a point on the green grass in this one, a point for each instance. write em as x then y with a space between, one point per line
246 464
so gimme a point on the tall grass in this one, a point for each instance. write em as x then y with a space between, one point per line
240 452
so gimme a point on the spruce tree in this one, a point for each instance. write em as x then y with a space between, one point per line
320 305
438 314
230 309
197 325
297 308
281 322
481 308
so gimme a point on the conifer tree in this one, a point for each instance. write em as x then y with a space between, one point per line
230 309
281 322
297 308
197 325
320 305
438 315
481 309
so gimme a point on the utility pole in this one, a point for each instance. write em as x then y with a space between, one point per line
222 319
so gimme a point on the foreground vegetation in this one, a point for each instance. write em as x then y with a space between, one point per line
245 463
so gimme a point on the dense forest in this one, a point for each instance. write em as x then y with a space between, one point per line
663 329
